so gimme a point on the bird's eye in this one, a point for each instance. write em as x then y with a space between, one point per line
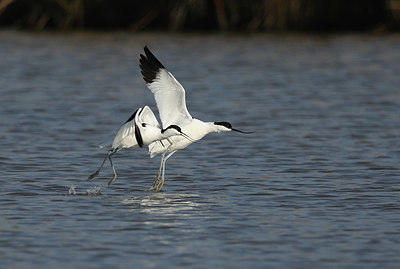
144 124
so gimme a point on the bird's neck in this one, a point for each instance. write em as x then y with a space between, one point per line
197 129
212 128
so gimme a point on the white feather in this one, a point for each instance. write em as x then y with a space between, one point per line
170 98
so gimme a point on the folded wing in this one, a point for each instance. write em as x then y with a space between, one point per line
147 117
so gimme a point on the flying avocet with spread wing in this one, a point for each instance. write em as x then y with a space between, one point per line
170 98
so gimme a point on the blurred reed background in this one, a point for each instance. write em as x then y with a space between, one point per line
202 15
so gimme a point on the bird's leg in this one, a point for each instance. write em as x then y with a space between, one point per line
159 185
156 182
157 178
113 168
159 170
161 182
161 165
101 166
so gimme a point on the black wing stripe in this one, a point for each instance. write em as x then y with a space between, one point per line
149 66
132 117
138 136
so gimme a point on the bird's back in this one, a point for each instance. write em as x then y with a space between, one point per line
196 130
141 129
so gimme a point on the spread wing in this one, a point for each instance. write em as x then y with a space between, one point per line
168 92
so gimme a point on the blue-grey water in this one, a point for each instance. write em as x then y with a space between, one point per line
316 186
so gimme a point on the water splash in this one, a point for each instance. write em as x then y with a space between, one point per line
72 190
94 191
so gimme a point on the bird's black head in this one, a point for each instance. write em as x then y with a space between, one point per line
173 126
228 127
224 123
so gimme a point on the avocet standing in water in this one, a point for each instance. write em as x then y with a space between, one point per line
141 129
170 98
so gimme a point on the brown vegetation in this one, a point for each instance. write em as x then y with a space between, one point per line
242 15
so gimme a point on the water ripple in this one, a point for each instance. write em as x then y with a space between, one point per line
316 186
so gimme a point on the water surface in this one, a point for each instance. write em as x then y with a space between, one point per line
317 185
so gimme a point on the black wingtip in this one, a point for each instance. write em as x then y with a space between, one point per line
149 65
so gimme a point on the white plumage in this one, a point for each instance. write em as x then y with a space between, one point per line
141 129
142 125
170 98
